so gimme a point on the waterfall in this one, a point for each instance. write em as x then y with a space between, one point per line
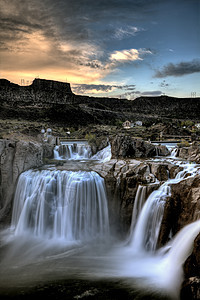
103 155
78 150
60 226
140 199
72 150
174 152
145 232
61 204
145 235
171 265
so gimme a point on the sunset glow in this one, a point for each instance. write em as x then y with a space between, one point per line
151 45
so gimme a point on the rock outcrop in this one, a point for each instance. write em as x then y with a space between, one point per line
124 146
40 93
190 153
15 158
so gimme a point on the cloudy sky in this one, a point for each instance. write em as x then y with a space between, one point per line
121 48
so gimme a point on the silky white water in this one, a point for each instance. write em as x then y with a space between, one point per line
72 150
60 229
61 204
80 151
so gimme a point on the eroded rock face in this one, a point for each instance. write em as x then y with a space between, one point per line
191 289
190 153
122 178
15 158
182 208
124 146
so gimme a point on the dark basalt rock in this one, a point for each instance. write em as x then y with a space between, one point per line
124 146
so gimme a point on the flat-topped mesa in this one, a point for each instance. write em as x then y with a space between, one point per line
50 85
39 93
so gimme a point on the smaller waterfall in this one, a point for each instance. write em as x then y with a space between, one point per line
103 155
72 150
78 151
140 199
67 205
171 265
145 232
174 152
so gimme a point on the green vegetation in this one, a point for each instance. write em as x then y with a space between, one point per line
90 137
187 123
183 143
118 123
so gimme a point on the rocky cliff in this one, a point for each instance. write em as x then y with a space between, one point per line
15 158
40 93
191 153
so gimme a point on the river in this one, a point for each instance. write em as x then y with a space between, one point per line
60 246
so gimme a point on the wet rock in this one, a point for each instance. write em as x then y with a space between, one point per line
191 289
15 157
163 150
123 146
191 153
160 171
174 170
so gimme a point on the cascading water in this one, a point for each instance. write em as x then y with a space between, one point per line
78 151
71 208
140 199
72 150
54 204
146 232
103 155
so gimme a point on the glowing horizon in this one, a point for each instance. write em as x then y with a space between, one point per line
120 48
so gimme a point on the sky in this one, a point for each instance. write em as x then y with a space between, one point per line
112 48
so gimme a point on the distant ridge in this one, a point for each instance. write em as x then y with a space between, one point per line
55 101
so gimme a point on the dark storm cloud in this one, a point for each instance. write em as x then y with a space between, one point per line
73 20
134 94
82 25
18 16
87 88
180 69
151 93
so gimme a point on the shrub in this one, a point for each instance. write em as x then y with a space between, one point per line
90 137
183 143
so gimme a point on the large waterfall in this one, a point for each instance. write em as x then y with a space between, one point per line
55 204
